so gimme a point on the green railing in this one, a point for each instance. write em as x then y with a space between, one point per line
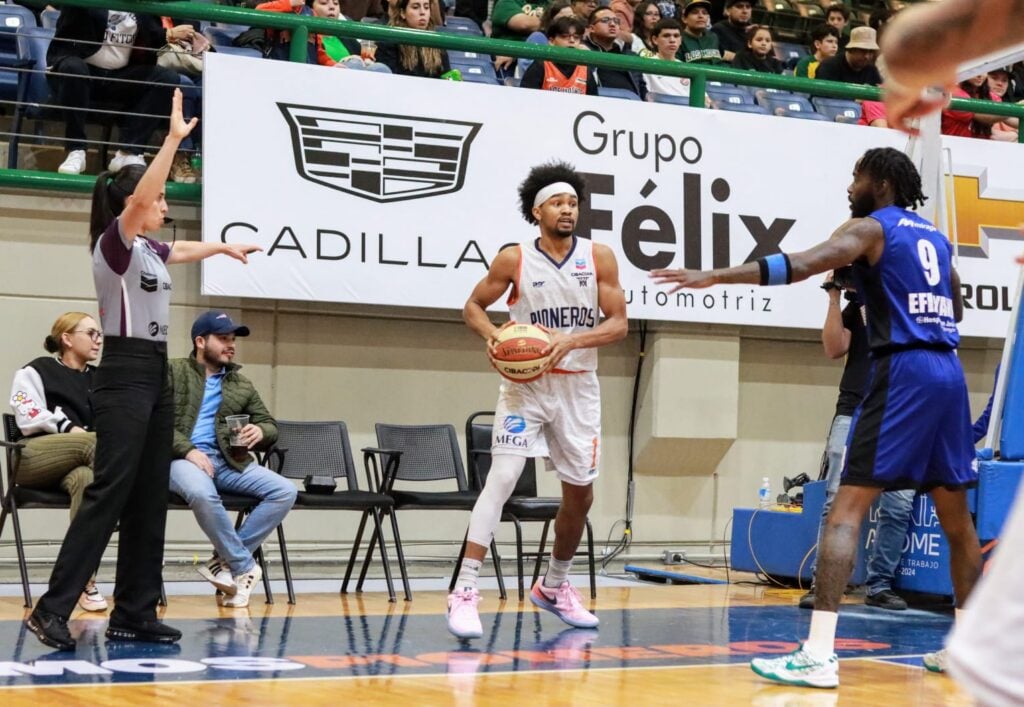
301 25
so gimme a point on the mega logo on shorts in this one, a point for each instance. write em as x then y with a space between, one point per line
514 426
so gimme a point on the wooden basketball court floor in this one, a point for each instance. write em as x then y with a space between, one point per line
657 644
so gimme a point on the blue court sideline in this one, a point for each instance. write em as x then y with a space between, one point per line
405 644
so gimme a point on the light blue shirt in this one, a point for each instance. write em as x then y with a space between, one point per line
203 434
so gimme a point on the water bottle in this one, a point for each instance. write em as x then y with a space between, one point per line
764 494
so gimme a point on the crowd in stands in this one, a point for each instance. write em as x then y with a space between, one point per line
94 51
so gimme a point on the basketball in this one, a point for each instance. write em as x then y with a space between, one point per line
517 354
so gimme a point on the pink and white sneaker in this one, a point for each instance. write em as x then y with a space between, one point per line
463 616
564 602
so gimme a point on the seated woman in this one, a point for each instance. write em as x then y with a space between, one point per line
567 78
52 408
759 54
646 15
428 62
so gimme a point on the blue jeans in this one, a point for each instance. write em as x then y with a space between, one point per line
894 509
835 448
276 496
192 107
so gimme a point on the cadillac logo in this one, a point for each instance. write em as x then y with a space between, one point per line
379 156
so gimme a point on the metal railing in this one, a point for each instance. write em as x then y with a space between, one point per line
301 26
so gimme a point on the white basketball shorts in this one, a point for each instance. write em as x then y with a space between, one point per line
557 416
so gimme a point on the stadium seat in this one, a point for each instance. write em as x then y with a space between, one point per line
730 94
477 73
666 98
790 54
609 92
835 108
48 18
473 31
786 113
473 58
775 102
742 108
461 24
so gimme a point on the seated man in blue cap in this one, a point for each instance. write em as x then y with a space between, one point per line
211 454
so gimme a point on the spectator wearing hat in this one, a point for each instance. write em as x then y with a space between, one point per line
731 31
856 63
207 389
603 36
824 45
700 45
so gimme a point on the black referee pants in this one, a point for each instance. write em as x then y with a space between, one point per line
134 420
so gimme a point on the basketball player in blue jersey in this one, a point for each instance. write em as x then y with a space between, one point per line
562 283
913 428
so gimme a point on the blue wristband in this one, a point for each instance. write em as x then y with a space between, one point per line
775 270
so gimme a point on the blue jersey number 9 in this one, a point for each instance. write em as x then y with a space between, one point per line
929 261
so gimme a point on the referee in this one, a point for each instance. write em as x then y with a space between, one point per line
132 404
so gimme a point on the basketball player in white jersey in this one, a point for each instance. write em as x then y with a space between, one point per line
562 283
923 48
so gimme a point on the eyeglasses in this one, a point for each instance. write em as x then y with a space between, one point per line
93 334
608 20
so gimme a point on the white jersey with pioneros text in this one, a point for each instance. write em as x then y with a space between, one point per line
559 296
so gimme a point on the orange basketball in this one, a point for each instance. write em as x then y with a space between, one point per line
518 352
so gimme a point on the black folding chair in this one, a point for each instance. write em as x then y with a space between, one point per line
428 453
323 449
524 506
17 497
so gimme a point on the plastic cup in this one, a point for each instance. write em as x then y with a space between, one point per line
235 425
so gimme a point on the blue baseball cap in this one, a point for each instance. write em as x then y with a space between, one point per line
216 322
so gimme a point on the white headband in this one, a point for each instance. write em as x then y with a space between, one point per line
550 190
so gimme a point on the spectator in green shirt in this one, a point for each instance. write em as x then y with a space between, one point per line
699 44
514 20
825 43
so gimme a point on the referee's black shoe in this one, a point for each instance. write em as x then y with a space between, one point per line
51 630
144 631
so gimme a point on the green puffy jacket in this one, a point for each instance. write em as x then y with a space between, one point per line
239 397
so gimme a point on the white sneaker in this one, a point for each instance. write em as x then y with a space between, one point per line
91 598
123 159
936 662
74 163
463 615
244 584
799 668
217 573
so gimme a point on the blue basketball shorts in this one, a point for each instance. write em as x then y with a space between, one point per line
913 429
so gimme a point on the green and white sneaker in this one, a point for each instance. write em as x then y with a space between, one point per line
799 668
935 662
